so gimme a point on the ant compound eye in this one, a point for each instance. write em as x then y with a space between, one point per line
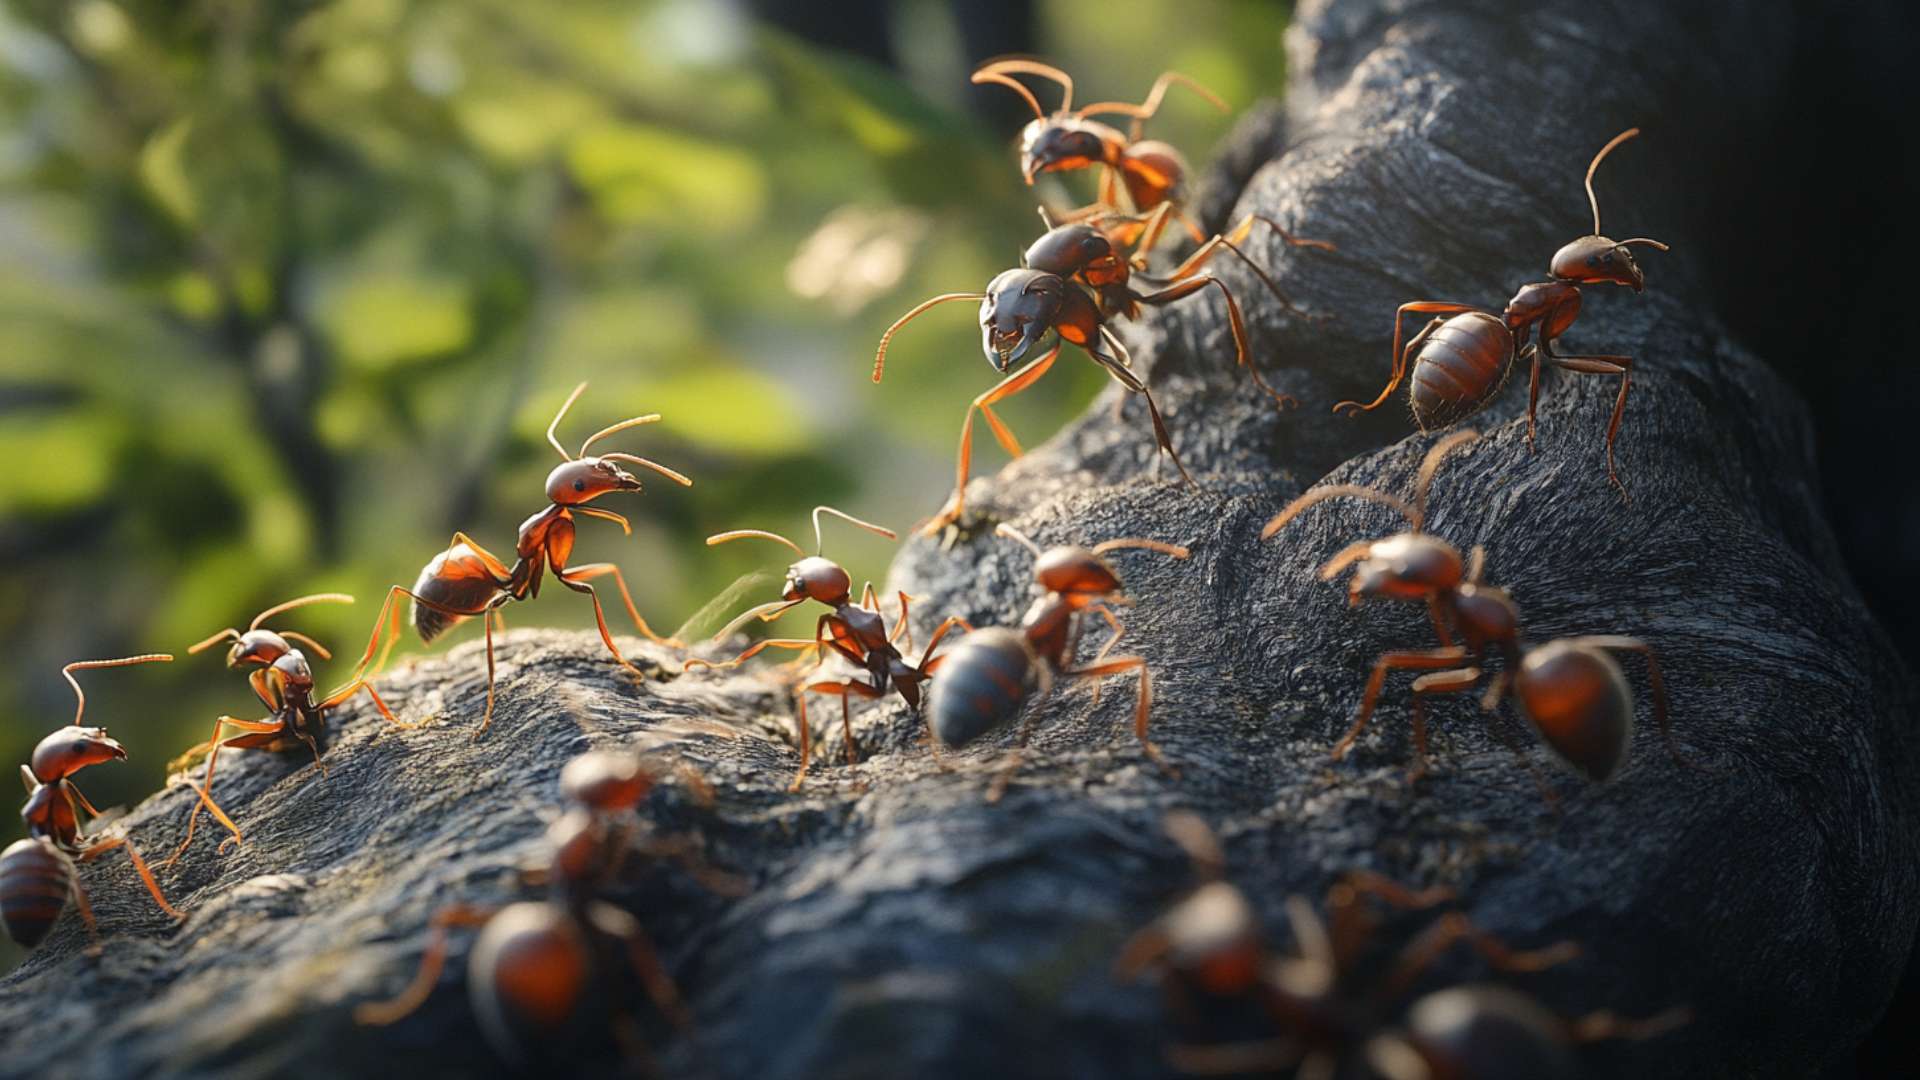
579 485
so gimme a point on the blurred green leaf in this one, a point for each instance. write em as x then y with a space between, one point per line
379 321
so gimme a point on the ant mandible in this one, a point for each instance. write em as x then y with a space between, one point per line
466 580
991 673
857 633
1210 948
37 874
283 681
536 964
1153 172
1070 282
1460 363
1570 691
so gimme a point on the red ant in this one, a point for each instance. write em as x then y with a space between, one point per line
1153 172
993 671
537 964
1460 363
857 633
283 681
1570 691
1021 307
37 874
1210 948
466 580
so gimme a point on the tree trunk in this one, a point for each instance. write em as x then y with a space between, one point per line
899 924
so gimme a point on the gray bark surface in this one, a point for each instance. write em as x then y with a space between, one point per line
898 924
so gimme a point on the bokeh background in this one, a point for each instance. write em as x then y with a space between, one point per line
289 292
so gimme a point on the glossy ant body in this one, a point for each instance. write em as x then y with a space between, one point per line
537 966
1210 948
856 632
1070 283
283 681
1570 691
1459 363
37 874
466 580
992 672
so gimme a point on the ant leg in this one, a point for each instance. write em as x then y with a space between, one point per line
382 1013
1194 231
1430 307
1348 926
1421 660
205 791
594 570
903 624
1014 759
344 694
842 689
86 915
1243 357
1490 703
1114 359
751 651
684 851
1437 682
645 961
928 661
568 578
806 737
1000 391
139 865
1654 682
1141 710
1605 365
1119 630
1433 612
1453 928
1242 231
1606 1024
1533 394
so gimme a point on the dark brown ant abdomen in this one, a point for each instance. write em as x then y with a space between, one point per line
1578 698
527 973
36 879
982 684
1461 364
1485 1032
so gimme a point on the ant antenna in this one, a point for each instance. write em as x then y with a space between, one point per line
80 696
636 459
1011 533
1643 240
1597 158
1321 494
1045 218
995 72
820 545
631 422
1174 550
315 598
880 356
568 404
1144 111
761 534
1432 465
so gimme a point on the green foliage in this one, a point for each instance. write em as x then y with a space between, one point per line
289 292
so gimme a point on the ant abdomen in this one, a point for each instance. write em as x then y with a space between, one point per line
527 973
1458 366
982 684
36 880
1578 699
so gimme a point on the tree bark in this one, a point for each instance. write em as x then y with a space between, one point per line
899 924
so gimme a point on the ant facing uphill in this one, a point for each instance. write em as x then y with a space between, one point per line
540 969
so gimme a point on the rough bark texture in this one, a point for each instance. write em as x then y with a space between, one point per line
900 925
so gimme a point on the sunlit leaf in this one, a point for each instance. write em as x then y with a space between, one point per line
55 461
379 321
647 175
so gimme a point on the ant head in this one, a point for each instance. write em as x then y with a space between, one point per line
818 578
1596 260
1059 144
1406 566
71 749
1018 311
586 479
1075 571
607 781
261 647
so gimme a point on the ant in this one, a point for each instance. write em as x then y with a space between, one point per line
1153 172
857 633
1043 296
993 671
467 580
1570 691
283 681
537 964
1210 948
1460 363
37 874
